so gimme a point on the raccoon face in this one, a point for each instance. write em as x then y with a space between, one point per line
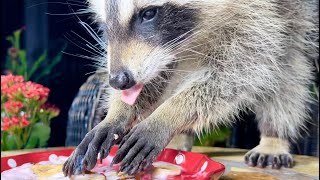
143 36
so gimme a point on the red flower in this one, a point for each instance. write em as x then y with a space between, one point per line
24 121
54 110
30 94
12 86
9 80
6 119
13 90
18 122
13 52
5 124
15 121
35 91
13 107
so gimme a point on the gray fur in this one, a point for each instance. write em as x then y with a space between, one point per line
248 54
240 54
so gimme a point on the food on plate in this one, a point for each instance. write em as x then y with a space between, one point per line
116 136
23 172
46 170
164 169
52 169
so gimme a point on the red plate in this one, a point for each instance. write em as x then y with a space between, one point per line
194 165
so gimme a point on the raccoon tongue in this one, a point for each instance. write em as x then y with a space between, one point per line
130 96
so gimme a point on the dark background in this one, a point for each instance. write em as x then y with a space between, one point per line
46 31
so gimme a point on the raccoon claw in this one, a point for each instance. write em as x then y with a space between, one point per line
261 160
140 162
138 149
85 155
74 164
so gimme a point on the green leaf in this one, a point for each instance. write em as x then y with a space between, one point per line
208 139
38 63
54 62
44 139
39 136
8 64
16 36
32 141
9 141
57 58
15 67
24 66
11 40
315 91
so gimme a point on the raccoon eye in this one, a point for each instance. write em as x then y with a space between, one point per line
149 14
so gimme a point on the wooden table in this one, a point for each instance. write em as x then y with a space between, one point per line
306 168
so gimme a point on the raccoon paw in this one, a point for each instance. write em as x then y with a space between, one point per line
261 160
84 157
74 164
140 147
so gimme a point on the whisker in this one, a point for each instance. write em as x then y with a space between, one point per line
93 34
67 14
89 73
175 70
76 44
93 46
89 30
63 3
67 18
79 55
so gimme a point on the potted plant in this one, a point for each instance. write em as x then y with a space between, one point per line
25 114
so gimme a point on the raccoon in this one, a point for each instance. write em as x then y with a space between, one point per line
175 68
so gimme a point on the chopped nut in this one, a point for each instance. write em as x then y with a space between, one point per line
116 136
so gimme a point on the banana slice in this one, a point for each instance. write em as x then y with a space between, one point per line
163 169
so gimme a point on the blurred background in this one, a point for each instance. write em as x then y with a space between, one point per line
44 32
46 28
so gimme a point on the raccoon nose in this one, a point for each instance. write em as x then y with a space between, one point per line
122 80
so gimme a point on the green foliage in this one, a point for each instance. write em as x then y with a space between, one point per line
37 64
39 136
210 138
49 67
25 114
17 63
315 91
11 139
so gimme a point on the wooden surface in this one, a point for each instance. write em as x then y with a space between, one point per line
306 168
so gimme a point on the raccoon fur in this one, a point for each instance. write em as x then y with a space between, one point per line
181 66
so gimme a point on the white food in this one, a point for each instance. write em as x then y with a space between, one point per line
116 136
163 169
58 160
22 172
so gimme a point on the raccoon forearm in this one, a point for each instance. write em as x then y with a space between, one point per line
197 107
173 116
119 112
